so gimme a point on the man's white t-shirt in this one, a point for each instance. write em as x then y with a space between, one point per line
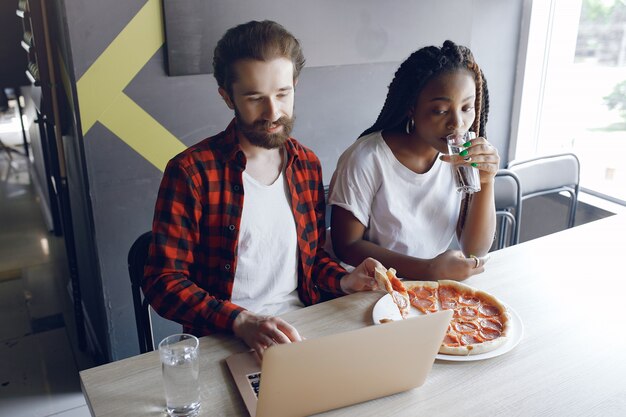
266 278
409 213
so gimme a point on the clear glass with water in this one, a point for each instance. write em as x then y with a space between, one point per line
466 176
180 365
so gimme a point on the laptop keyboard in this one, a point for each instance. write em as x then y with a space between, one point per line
255 382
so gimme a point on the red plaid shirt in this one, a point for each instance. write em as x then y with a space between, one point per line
191 267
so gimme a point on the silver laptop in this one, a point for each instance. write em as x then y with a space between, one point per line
329 372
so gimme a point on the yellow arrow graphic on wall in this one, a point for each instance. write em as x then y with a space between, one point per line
101 95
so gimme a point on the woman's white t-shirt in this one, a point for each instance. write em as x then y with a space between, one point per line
266 278
409 213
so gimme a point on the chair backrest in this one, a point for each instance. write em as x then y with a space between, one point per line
137 256
328 207
508 199
550 174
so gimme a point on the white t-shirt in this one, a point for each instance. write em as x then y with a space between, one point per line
409 213
266 278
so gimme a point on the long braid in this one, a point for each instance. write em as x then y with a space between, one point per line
484 113
479 98
419 68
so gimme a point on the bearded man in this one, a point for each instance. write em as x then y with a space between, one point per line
239 229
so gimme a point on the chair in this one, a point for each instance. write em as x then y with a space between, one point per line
508 197
328 207
550 174
137 256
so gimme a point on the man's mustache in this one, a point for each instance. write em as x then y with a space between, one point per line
265 125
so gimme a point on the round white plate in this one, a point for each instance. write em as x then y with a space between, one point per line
385 308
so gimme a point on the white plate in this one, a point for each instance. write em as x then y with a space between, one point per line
385 308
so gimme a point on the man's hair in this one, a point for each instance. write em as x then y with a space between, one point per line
262 41
414 73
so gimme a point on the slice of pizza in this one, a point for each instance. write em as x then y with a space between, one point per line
387 281
400 294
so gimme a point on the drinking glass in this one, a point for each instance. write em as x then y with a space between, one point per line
466 176
180 365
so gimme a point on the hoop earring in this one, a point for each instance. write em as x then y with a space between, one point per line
410 125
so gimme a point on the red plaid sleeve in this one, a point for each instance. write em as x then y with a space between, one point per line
182 266
326 271
318 271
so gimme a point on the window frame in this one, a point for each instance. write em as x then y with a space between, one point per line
547 26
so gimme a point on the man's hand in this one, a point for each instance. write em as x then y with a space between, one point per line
362 278
261 332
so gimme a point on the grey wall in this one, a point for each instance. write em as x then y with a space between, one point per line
353 48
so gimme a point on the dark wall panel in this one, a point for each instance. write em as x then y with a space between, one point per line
331 32
93 25
86 256
12 56
126 210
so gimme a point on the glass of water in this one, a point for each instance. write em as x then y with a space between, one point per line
179 362
466 176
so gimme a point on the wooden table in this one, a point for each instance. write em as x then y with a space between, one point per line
568 288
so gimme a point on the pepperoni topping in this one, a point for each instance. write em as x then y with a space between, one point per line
488 310
423 304
448 304
423 292
447 292
451 340
465 327
467 312
489 334
491 323
470 339
396 284
469 300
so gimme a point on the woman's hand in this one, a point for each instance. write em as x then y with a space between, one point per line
452 264
483 156
480 154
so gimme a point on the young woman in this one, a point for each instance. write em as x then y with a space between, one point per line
393 194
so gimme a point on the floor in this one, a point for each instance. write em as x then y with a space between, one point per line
38 366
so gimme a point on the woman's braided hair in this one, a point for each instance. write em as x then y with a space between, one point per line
419 68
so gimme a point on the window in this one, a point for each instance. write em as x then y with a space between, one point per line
572 90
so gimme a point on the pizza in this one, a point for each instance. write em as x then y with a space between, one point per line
480 322
387 281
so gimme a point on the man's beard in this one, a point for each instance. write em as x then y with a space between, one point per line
256 133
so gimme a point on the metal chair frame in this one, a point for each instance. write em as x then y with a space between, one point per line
137 256
508 199
544 168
